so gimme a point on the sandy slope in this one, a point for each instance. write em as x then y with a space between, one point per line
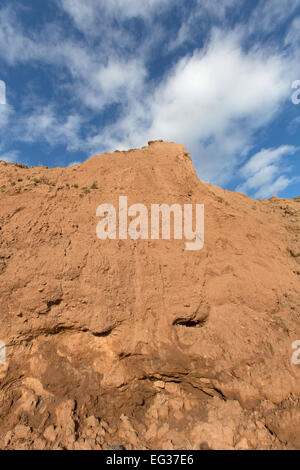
142 343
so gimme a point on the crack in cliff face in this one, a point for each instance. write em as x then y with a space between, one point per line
60 330
273 433
204 391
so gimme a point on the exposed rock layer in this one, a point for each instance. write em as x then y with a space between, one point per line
142 343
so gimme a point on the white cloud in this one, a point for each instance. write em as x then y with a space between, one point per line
117 81
211 88
266 157
264 171
82 13
212 101
273 189
18 46
86 14
117 76
271 13
133 8
199 18
293 35
215 8
44 124
98 77
10 157
12 45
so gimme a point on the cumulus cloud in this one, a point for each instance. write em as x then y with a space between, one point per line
212 101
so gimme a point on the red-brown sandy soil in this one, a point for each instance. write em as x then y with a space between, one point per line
143 343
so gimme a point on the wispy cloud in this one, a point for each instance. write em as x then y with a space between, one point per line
264 172
293 35
87 15
45 125
271 13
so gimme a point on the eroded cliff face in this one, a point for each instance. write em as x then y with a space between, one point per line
143 343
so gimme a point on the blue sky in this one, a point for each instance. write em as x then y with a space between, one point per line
87 76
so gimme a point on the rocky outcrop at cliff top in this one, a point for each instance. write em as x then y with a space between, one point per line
142 343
